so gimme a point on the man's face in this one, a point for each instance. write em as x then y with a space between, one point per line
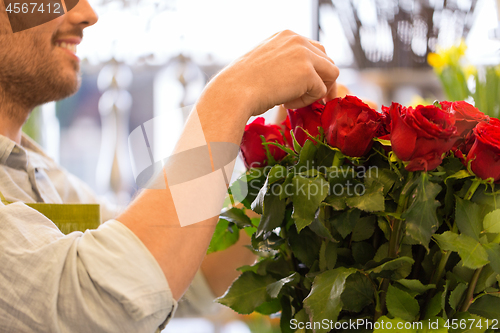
39 65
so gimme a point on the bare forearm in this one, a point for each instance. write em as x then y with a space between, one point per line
153 217
285 68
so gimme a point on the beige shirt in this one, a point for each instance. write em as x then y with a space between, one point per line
103 280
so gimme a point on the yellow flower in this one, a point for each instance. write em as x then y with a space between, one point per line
447 57
436 61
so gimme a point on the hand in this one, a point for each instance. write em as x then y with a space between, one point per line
284 69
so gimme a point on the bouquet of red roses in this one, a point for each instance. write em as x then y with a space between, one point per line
371 220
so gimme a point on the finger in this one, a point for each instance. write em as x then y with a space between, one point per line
321 80
319 49
328 73
316 89
332 93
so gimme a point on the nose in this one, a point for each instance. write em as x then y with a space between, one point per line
79 12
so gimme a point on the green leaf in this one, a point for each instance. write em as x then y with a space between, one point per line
401 304
269 308
284 148
285 193
456 295
486 306
286 315
319 227
306 156
469 217
305 246
370 200
364 228
358 292
247 292
277 173
461 174
308 194
385 176
258 203
397 269
421 218
237 216
324 301
434 306
327 255
296 145
274 288
362 252
345 222
225 235
273 212
492 222
493 251
383 142
416 285
270 244
470 251
338 203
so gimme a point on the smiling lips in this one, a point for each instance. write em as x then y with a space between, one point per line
68 46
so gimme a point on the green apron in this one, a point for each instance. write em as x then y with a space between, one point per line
68 217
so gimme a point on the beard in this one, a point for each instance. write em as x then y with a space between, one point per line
30 75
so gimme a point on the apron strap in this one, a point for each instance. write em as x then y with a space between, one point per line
67 217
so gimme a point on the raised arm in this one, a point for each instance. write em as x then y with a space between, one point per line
284 69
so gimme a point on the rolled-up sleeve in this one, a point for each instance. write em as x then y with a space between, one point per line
103 280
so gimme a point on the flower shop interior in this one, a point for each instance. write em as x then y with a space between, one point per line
152 58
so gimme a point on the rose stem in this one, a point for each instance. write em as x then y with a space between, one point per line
472 189
394 241
470 291
473 281
445 255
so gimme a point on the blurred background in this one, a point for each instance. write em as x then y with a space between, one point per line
149 58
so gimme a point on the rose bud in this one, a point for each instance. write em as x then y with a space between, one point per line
350 125
484 155
307 118
384 131
422 135
252 149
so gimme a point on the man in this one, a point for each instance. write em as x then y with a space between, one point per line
127 275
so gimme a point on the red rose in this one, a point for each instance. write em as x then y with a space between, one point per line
422 135
485 153
286 128
252 149
384 131
466 115
350 125
308 119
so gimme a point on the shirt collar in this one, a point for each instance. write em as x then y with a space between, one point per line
16 156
